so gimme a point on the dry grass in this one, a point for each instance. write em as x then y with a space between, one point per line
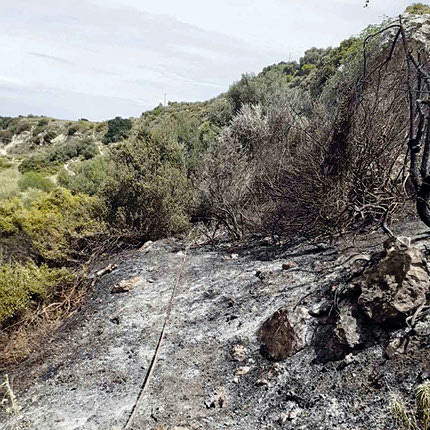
19 340
9 182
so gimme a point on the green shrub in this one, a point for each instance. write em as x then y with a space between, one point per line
147 195
6 135
118 129
72 130
413 420
100 126
49 136
40 127
54 223
9 182
21 127
59 154
34 163
4 163
22 284
418 8
35 180
89 177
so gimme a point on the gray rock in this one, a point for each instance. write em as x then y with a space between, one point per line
396 284
348 329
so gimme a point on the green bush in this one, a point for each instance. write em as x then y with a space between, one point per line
147 195
72 130
53 223
89 176
49 136
86 149
4 163
22 284
22 126
35 180
418 8
5 135
40 127
118 129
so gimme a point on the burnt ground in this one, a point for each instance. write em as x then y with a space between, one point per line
88 374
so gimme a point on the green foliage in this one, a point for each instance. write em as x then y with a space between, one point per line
89 177
414 420
53 223
35 180
6 136
86 149
8 122
40 127
9 182
49 136
21 284
5 163
147 195
418 9
22 126
118 129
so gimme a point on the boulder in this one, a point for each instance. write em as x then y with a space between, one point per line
284 333
395 284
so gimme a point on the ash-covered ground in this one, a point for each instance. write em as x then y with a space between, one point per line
338 369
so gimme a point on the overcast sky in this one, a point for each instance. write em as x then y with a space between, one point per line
102 58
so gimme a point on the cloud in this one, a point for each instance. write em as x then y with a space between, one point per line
50 57
101 58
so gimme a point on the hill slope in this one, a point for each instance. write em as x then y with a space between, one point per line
211 373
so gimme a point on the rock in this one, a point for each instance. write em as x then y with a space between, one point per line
262 382
283 418
239 353
287 265
242 370
294 413
321 308
396 284
422 327
147 246
348 330
396 345
284 334
349 359
126 285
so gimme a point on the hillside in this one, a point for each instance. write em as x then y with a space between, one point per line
332 371
303 194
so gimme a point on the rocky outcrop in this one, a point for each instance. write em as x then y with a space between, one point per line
396 284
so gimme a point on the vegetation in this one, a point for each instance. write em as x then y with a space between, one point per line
9 177
58 155
418 9
21 284
418 419
35 180
147 194
308 148
118 129
88 176
54 225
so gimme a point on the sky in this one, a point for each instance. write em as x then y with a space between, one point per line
98 59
